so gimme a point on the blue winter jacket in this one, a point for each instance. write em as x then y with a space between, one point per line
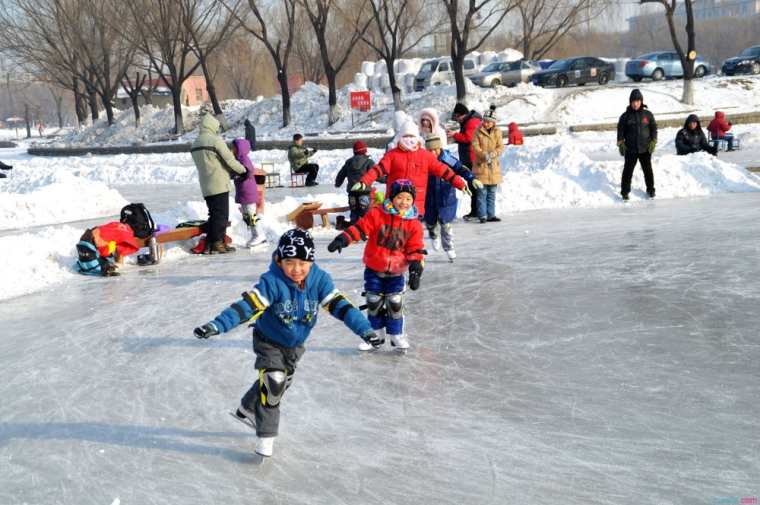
441 198
284 313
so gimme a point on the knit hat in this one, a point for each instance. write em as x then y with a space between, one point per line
636 95
490 114
460 108
432 141
403 186
360 147
296 243
409 128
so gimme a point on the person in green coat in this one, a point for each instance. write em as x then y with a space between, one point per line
216 164
298 155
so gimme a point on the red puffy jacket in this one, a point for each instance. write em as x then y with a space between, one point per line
719 126
415 166
515 135
392 241
115 237
464 138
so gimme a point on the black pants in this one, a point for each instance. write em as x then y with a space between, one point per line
218 215
630 163
311 170
270 356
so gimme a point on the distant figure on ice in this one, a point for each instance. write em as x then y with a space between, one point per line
283 306
691 138
394 244
636 141
250 134
215 164
441 199
40 128
515 137
353 170
410 161
246 191
487 146
718 129
469 121
298 155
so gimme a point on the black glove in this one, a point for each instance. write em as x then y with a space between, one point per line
373 339
338 243
206 331
415 274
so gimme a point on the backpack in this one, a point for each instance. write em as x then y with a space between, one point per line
89 260
139 219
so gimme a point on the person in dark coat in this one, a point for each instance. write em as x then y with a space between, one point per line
469 121
250 134
691 138
353 170
636 141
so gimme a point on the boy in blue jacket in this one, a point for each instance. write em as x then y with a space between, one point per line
441 198
284 305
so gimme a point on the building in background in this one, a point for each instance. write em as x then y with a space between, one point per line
703 10
193 93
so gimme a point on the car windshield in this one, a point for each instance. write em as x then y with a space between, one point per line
515 65
751 51
492 67
428 67
648 56
560 65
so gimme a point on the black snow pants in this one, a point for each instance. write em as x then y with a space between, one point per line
645 159
218 216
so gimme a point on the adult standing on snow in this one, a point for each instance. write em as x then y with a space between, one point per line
215 164
487 146
636 141
250 134
469 121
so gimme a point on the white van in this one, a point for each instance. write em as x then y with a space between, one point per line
440 71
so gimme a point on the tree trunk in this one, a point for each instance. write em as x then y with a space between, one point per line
282 78
179 125
688 91
395 90
28 124
59 110
210 88
108 106
135 98
457 61
332 98
78 105
92 99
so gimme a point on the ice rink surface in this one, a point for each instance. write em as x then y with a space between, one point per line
606 356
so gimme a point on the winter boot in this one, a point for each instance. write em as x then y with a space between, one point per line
494 219
255 239
399 341
451 254
624 196
650 192
264 446
217 247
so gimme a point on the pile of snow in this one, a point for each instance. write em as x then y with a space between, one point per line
561 176
56 197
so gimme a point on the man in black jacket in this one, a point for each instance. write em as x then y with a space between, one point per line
691 138
353 170
636 140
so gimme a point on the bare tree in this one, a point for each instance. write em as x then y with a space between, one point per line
323 20
543 23
397 27
243 72
472 22
306 51
690 55
277 34
133 89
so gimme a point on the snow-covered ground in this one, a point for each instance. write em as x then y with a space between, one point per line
523 104
588 357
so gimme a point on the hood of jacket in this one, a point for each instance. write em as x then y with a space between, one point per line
209 124
689 119
513 127
720 115
243 148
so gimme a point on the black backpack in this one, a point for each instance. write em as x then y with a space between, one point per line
139 219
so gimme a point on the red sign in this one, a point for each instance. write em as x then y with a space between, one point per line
361 100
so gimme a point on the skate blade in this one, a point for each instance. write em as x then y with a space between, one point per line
245 421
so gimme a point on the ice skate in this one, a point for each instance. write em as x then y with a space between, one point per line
436 243
399 342
366 346
256 238
452 255
245 416
264 446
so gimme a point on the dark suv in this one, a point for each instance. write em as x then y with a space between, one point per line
748 62
580 71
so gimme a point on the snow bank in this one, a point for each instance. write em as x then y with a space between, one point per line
53 198
561 176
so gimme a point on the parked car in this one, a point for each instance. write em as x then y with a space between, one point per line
544 64
440 71
579 70
662 64
748 62
507 73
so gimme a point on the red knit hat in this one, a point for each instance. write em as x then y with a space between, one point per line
360 147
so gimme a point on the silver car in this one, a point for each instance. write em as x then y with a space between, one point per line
662 64
505 73
440 71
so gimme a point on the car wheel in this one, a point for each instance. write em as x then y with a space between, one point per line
604 79
700 71
636 78
561 81
658 74
756 67
495 83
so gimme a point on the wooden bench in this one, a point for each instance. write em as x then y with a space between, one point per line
303 215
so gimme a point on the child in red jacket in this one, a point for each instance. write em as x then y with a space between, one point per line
515 135
394 243
718 129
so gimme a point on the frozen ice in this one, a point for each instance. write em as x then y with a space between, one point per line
588 356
